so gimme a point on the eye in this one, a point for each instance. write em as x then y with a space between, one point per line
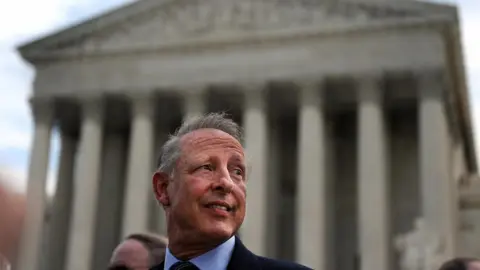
238 171
207 167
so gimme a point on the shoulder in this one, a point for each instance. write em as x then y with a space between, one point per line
268 263
242 258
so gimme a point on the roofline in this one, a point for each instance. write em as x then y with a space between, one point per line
117 14
458 74
88 25
312 32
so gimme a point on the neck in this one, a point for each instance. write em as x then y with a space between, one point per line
186 247
185 252
188 244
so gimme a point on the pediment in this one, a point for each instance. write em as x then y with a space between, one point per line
187 20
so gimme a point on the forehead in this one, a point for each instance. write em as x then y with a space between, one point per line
204 139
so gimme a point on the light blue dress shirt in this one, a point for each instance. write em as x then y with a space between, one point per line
216 259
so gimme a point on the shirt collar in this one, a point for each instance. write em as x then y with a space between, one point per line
216 259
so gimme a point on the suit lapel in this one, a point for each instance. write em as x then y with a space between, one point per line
158 267
242 258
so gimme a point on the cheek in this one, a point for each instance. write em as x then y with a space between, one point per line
198 188
241 193
243 188
191 191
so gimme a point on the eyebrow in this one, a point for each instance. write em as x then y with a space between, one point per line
237 158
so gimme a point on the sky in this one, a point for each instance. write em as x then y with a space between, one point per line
25 20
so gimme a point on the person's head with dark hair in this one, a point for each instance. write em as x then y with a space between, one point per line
461 264
139 251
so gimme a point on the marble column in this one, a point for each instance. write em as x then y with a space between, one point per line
436 180
194 103
86 186
138 189
61 208
37 176
158 222
313 189
254 230
373 180
110 198
273 192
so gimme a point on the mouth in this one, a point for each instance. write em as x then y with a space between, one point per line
222 206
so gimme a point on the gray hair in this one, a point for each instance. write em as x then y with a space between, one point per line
171 150
155 244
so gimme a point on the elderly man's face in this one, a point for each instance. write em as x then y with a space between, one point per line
206 198
130 254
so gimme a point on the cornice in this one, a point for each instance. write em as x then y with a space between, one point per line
455 60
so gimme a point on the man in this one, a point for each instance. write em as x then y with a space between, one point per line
461 264
201 184
139 252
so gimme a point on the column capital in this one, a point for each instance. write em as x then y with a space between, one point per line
308 84
42 109
143 104
195 90
310 91
254 96
92 105
194 103
369 88
431 84
254 91
253 86
433 73
90 98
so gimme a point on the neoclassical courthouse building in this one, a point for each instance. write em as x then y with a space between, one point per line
356 117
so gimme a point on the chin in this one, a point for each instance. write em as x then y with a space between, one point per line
220 231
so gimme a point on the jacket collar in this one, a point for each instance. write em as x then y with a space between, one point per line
241 259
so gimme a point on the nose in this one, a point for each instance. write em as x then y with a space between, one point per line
223 181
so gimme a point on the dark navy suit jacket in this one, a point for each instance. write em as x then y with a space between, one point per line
243 259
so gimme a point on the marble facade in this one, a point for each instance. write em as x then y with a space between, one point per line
355 113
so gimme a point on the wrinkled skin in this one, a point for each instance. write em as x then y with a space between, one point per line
210 171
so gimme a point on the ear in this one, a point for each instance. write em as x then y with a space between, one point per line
160 184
